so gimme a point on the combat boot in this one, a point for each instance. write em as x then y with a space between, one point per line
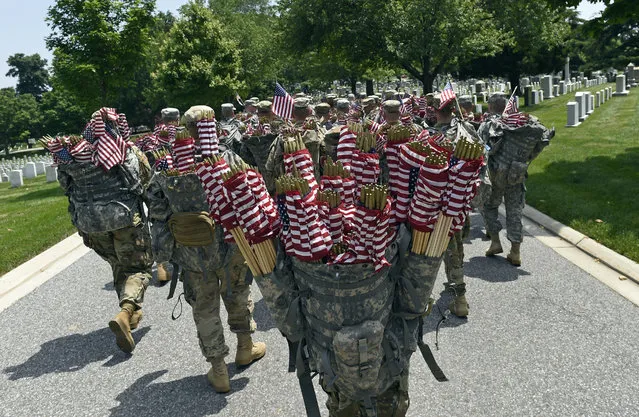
514 257
495 245
121 327
163 274
247 351
459 306
136 318
218 376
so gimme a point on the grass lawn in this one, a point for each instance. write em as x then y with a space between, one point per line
588 178
32 218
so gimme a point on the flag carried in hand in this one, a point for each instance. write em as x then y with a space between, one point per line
447 95
282 103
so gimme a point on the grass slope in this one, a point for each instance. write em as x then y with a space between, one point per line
32 218
588 178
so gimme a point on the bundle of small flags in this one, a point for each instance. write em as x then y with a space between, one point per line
80 149
447 183
239 201
365 160
165 133
59 148
298 161
398 179
183 150
105 131
147 143
163 160
207 133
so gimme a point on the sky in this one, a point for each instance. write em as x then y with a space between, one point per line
23 28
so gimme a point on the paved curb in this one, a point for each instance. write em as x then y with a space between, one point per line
22 280
618 262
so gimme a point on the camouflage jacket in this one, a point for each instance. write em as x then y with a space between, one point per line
102 201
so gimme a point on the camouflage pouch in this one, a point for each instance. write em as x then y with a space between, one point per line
145 167
517 173
358 358
283 298
162 241
192 229
415 285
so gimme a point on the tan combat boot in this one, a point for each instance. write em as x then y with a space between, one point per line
495 245
163 274
247 351
514 257
136 318
121 327
459 306
218 376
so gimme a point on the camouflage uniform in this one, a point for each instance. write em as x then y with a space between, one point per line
106 208
512 149
209 272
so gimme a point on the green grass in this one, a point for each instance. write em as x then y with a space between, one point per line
32 218
588 178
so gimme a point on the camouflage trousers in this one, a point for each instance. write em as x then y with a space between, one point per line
454 263
393 402
514 197
203 294
128 251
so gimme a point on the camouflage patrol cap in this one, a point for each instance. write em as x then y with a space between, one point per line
227 107
342 104
351 96
497 98
361 95
264 106
254 99
389 94
170 114
462 100
322 109
300 94
195 113
392 106
249 102
301 102
368 101
331 96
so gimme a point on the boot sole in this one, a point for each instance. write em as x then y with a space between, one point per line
494 253
122 338
513 262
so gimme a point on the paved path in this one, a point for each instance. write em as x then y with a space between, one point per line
546 339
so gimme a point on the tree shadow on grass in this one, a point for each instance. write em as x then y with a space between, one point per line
191 396
601 187
38 195
72 353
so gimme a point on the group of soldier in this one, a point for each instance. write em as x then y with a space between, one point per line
133 217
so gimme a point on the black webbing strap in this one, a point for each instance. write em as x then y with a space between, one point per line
292 354
306 382
428 355
174 280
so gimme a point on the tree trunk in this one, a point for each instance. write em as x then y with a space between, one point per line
369 88
427 80
6 145
353 81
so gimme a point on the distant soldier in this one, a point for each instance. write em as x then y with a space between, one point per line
515 139
105 203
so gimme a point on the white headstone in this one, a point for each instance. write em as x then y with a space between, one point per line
541 95
555 90
474 99
562 87
581 105
40 168
591 103
621 86
587 97
29 170
597 99
602 94
15 177
567 69
573 114
52 173
546 86
5 177
524 82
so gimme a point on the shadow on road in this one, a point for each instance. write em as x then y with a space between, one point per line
72 353
492 269
191 396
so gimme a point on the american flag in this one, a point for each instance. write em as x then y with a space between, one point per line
447 95
82 151
111 151
282 103
512 106
184 151
407 106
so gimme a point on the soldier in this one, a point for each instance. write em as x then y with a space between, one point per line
448 124
342 106
230 128
105 203
515 140
322 112
211 268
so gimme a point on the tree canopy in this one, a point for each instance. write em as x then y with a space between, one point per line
32 73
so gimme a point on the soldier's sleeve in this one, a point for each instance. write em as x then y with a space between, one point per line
545 141
162 241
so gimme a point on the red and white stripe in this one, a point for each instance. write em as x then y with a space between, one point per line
184 152
207 134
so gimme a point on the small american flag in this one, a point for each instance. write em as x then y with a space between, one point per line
407 106
512 106
282 103
447 95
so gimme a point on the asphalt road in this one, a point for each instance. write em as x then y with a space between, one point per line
546 339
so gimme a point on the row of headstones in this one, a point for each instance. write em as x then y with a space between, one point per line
16 171
585 104
535 93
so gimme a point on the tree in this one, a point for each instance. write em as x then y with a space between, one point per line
198 64
99 46
60 113
19 117
32 73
